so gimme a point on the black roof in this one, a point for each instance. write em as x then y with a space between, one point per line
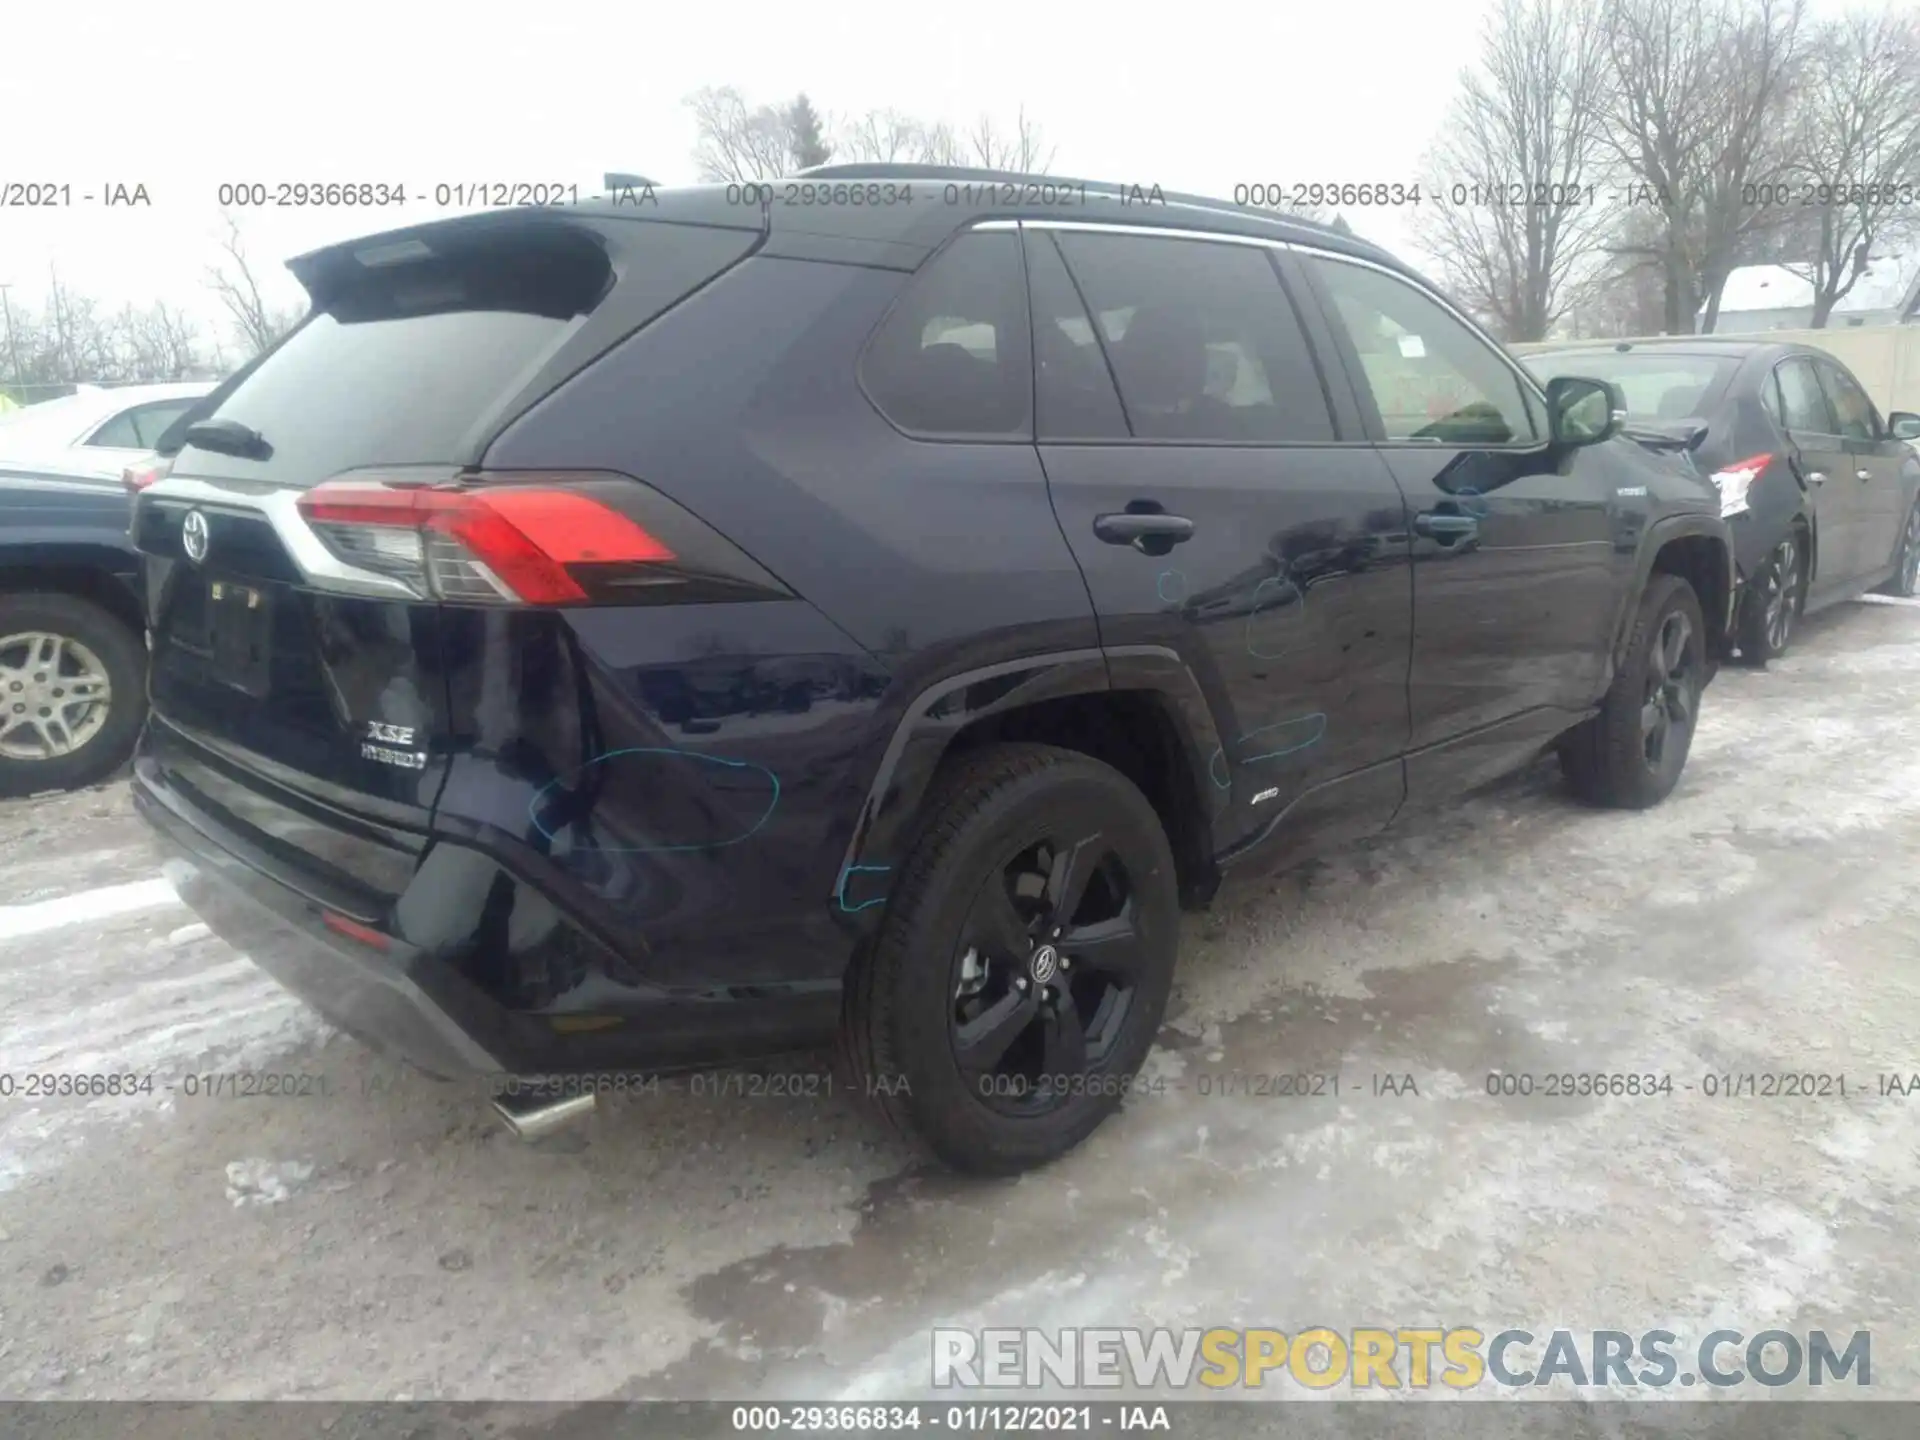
927 204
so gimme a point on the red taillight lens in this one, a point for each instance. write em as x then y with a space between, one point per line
138 477
353 930
1745 470
489 543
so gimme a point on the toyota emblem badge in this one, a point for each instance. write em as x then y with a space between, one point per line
193 536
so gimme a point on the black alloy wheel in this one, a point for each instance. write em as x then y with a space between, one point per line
1004 1007
1772 604
1045 973
1905 580
1672 690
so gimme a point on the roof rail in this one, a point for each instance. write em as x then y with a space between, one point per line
894 170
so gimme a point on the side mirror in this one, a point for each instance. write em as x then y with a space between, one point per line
1583 411
1904 425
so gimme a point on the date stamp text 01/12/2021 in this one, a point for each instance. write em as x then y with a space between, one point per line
825 1084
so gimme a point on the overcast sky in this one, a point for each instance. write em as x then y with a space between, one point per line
183 96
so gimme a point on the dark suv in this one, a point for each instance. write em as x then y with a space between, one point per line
669 631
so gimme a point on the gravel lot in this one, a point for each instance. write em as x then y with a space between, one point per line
389 1240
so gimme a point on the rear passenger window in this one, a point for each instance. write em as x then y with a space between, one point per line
1803 406
1076 395
118 433
1851 407
1202 338
952 357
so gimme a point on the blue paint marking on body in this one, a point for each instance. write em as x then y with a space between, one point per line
1299 609
773 801
1316 723
1220 769
840 890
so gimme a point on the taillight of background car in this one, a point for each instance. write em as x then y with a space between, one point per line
142 473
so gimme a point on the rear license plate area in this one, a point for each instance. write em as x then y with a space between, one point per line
239 620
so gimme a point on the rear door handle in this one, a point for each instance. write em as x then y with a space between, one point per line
1446 528
1143 531
1863 474
1816 477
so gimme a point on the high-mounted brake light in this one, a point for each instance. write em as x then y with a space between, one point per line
1733 481
489 543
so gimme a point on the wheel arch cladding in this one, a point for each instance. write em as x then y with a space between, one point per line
1062 700
98 584
1702 559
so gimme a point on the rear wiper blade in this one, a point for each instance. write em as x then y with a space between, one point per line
229 437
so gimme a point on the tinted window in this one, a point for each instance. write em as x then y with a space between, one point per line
1851 407
1202 338
118 433
1803 406
1770 397
415 359
952 357
1432 378
1657 386
141 427
1076 395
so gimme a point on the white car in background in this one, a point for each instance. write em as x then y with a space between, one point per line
94 434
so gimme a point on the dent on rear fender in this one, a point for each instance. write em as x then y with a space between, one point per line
717 825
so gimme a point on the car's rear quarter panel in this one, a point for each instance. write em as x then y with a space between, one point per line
713 849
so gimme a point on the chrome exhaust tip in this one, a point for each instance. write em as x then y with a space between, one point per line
530 1118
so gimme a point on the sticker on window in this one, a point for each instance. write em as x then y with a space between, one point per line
1412 347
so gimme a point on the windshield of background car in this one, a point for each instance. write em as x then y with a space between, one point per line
1657 387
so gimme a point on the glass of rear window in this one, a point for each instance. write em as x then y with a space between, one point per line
1657 387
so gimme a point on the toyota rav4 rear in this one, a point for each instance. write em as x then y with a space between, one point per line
418 713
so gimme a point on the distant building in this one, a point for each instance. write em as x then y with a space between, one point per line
1771 297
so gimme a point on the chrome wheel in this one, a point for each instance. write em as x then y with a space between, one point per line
1667 709
1783 595
54 695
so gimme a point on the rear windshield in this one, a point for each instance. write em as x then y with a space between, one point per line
418 350
1657 387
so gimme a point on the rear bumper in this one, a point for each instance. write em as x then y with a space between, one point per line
376 996
442 1011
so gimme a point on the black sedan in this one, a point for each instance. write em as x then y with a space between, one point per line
1819 490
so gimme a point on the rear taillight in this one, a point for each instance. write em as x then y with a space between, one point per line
522 539
140 475
506 543
1733 482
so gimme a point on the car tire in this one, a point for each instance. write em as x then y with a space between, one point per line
1630 755
948 1028
1905 579
94 646
1771 602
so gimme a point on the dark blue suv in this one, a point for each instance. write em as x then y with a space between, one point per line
664 632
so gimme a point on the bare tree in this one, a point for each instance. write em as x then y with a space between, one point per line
741 142
1700 90
1524 150
256 323
1625 293
888 137
160 342
1023 149
1856 143
885 137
